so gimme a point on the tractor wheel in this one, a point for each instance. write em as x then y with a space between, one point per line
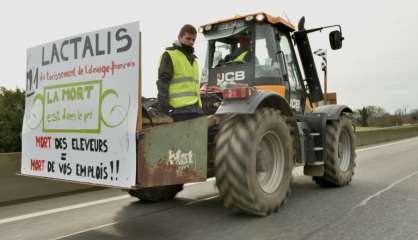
254 160
340 154
156 194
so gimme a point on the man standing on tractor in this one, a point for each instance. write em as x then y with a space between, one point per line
178 78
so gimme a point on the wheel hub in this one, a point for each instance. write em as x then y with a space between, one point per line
270 162
344 150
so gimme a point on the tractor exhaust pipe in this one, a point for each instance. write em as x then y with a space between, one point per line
315 93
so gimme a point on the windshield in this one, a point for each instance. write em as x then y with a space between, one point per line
222 40
230 49
228 58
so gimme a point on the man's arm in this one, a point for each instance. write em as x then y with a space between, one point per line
165 74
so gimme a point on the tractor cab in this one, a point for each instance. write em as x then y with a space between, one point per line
254 50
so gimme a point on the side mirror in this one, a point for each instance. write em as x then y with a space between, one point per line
336 40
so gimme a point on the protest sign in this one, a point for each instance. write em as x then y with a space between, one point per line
81 108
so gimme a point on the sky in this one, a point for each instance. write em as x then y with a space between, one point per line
378 64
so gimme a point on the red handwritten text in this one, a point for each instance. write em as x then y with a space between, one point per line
37 165
116 66
43 142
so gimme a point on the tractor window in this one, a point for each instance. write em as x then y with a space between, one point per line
235 49
220 52
229 59
293 75
266 65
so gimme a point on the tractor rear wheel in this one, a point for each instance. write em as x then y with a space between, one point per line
156 194
340 154
254 160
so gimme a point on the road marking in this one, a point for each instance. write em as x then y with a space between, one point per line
366 200
201 200
195 183
62 209
86 230
113 223
72 207
298 172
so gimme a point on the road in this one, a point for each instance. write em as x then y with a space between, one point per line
381 203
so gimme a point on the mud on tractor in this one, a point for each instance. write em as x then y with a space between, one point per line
264 118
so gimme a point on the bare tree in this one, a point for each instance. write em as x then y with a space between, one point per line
413 113
399 113
375 111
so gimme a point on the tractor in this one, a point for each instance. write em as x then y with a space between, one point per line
266 116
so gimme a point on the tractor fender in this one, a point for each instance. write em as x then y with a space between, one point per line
333 112
251 104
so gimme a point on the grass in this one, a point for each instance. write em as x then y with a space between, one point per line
405 126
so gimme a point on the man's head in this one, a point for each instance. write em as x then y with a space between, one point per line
244 42
187 35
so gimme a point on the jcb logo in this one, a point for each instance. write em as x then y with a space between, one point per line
231 76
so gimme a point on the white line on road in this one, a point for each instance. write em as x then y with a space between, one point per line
72 207
201 200
62 209
387 144
107 200
365 201
86 230
195 183
113 223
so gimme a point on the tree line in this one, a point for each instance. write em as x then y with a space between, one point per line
376 116
12 108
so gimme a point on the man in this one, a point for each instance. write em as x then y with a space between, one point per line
242 53
178 78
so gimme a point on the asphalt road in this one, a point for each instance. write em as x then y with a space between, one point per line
381 203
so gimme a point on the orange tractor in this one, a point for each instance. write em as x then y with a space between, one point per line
260 128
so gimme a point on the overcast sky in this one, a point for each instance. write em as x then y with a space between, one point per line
376 66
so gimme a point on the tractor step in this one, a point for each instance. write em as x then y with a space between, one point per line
314 170
315 164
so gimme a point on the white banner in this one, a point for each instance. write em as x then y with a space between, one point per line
81 108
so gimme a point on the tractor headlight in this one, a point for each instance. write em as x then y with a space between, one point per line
249 18
259 17
208 27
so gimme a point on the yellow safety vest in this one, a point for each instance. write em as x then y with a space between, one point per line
241 57
183 89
